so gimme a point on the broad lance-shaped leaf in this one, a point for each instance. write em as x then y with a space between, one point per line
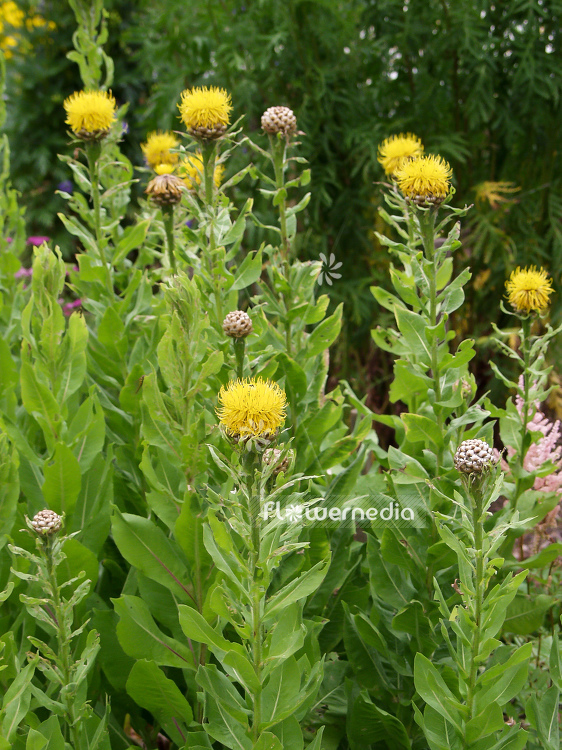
62 480
434 691
196 627
145 546
221 688
223 727
140 637
150 688
17 699
297 589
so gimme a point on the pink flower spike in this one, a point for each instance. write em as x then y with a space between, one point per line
36 241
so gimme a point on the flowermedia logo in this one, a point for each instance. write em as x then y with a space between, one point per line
329 268
391 512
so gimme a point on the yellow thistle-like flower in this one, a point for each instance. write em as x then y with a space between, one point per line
157 149
425 180
252 408
205 111
191 171
528 290
90 113
395 149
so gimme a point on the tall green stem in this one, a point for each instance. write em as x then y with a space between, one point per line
427 223
239 351
256 588
63 640
479 589
93 151
208 151
523 447
168 218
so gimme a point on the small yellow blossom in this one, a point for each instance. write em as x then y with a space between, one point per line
205 111
528 290
90 113
157 149
252 408
495 192
425 180
395 149
191 171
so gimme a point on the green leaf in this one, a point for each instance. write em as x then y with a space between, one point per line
268 741
221 688
279 696
35 740
140 637
368 724
146 547
17 699
63 480
543 715
198 629
222 727
132 238
434 691
248 272
238 666
487 721
294 374
297 589
37 398
525 614
149 687
414 329
420 429
325 333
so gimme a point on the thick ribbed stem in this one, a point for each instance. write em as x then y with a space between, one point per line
63 640
479 588
93 151
168 218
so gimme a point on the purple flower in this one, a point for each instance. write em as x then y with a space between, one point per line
23 272
36 241
69 307
125 127
66 186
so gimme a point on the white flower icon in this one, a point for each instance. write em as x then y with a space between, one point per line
329 268
293 513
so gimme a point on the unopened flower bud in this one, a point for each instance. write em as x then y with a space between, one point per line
272 456
237 324
279 120
474 457
46 522
165 189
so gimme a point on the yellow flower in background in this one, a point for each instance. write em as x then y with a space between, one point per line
191 171
495 192
157 149
252 408
164 168
90 113
205 111
395 149
425 180
11 14
528 290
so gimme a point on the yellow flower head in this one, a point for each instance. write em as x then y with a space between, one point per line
252 408
528 289
90 113
425 180
395 149
205 111
157 148
191 171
